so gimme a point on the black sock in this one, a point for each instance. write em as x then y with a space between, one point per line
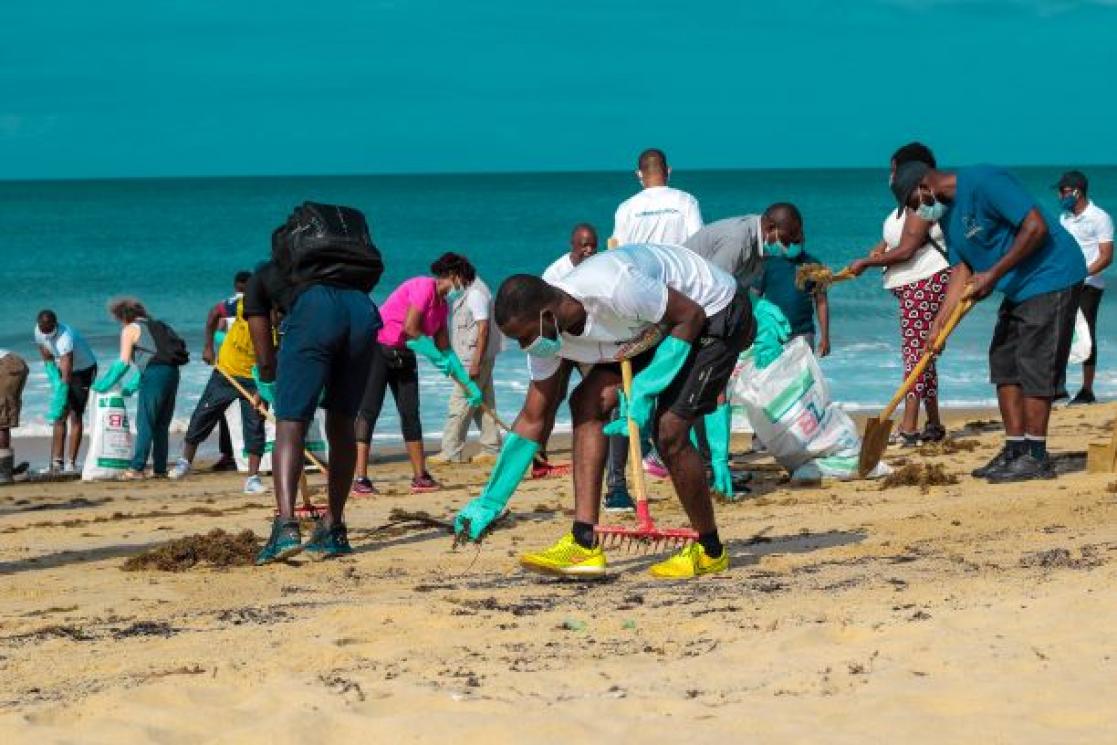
1015 446
712 544
1037 446
583 534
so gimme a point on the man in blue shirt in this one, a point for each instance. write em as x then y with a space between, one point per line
999 240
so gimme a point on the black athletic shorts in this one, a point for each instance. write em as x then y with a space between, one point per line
78 397
1031 343
1088 304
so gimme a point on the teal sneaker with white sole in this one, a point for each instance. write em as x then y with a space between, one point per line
285 542
327 542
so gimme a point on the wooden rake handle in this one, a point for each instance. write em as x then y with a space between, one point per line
960 309
485 408
266 413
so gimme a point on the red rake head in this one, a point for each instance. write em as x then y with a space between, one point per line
643 539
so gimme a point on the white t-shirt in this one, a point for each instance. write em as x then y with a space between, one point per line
624 292
64 341
1092 227
658 214
927 260
558 269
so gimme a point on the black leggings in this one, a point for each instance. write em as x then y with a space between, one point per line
1088 303
399 370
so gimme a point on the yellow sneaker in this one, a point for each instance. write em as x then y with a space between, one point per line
690 561
566 559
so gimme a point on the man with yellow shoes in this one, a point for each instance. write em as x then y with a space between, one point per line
236 357
682 322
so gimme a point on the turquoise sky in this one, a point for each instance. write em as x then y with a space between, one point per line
200 87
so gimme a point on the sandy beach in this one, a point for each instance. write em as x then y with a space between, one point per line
852 613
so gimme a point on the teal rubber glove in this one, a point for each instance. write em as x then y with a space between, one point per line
718 424
54 375
772 332
458 373
425 346
59 396
131 385
111 377
59 392
218 339
449 364
513 462
647 384
266 388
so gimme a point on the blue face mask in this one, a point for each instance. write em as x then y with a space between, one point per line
454 295
543 347
790 251
931 212
1068 202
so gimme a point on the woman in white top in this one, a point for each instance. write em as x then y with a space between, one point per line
916 270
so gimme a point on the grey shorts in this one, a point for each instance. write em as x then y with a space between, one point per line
1031 343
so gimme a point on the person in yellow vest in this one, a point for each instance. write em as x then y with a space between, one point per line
235 358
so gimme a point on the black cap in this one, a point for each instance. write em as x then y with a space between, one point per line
907 177
1073 180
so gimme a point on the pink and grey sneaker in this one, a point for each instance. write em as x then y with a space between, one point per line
424 483
362 487
654 467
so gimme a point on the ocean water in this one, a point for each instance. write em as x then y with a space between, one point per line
176 244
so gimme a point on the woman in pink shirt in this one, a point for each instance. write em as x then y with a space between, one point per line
415 312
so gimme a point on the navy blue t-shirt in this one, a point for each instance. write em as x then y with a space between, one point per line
776 284
980 226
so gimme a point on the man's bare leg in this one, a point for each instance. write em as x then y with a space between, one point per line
687 474
343 462
76 432
287 464
590 405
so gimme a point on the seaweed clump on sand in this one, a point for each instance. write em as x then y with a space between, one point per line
918 474
949 446
216 548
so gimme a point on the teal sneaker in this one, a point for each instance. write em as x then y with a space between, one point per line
285 542
327 542
619 500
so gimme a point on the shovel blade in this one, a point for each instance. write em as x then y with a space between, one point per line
873 444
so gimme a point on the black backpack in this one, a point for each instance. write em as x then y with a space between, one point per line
328 244
170 349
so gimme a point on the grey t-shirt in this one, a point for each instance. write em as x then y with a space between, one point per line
732 244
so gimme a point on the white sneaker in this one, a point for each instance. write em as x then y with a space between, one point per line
182 467
54 468
71 469
253 485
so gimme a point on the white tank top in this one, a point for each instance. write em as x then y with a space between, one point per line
926 262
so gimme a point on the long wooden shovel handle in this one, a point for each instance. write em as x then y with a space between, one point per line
635 458
266 413
960 309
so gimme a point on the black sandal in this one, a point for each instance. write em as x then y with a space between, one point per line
933 433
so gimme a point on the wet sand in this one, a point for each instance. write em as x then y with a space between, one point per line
963 613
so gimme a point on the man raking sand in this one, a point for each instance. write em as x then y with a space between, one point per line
683 323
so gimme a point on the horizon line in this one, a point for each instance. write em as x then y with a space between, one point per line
458 174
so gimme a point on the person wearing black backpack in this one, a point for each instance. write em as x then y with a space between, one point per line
323 267
156 351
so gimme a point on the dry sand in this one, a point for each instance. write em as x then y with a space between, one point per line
966 613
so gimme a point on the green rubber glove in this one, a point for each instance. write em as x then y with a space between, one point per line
266 388
772 332
717 432
131 385
54 375
59 391
449 364
59 396
647 384
111 377
425 346
515 457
